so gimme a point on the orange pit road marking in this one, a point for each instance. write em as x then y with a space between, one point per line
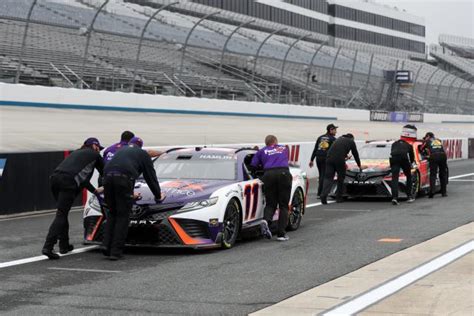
390 240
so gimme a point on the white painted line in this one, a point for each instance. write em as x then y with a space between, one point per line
461 180
377 294
84 270
318 204
4 218
462 176
41 258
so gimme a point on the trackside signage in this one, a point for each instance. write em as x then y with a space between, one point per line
453 148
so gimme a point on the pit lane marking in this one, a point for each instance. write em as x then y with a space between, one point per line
386 289
461 176
84 270
5 218
461 180
41 258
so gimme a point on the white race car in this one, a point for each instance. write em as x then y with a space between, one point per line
210 199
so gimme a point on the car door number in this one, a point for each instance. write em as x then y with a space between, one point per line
251 200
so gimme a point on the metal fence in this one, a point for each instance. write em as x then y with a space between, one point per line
307 72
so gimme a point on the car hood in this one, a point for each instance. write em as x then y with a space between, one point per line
180 191
370 165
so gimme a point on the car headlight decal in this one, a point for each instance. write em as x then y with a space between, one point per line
192 206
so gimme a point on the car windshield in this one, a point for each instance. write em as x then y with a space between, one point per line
375 151
196 169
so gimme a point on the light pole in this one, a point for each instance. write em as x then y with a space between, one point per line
284 62
224 49
23 42
257 55
141 40
189 36
89 34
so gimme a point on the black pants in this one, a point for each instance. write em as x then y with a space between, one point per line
64 190
277 184
438 161
397 163
321 164
118 191
334 166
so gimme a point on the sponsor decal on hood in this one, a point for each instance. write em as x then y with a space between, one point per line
180 191
370 165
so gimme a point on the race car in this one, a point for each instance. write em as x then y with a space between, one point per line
375 179
211 198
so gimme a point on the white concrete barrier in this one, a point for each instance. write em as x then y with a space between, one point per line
52 97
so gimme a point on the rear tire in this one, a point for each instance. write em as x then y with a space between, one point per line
297 210
232 224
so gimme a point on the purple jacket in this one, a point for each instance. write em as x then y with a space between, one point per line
110 151
270 157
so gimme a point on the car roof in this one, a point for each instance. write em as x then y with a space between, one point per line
217 153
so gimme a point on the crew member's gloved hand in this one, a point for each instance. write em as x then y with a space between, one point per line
99 190
413 165
311 164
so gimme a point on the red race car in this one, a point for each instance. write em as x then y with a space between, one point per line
375 178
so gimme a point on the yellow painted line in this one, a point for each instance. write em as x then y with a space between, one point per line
390 240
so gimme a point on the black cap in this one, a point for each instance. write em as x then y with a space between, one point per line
429 134
331 126
92 141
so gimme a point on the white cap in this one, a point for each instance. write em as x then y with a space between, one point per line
409 132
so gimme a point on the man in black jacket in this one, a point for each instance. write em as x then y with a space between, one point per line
323 143
437 158
67 180
401 157
336 163
119 180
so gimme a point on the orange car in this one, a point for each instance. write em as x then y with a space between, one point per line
375 178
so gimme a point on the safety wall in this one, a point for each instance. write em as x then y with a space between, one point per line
52 97
24 178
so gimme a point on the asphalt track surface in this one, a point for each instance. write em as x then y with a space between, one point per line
332 241
35 129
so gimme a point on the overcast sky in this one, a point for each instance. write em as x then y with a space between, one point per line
453 17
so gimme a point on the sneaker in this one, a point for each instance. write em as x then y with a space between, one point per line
66 249
395 202
283 237
50 254
411 199
265 230
430 195
324 200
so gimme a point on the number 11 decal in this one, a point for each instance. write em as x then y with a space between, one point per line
251 200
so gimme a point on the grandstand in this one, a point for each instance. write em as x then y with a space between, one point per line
301 52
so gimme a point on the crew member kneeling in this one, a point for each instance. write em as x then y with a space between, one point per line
277 181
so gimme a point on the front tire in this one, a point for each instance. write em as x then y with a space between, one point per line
231 225
415 188
297 209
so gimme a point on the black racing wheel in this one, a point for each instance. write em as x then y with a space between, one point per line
232 222
296 212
